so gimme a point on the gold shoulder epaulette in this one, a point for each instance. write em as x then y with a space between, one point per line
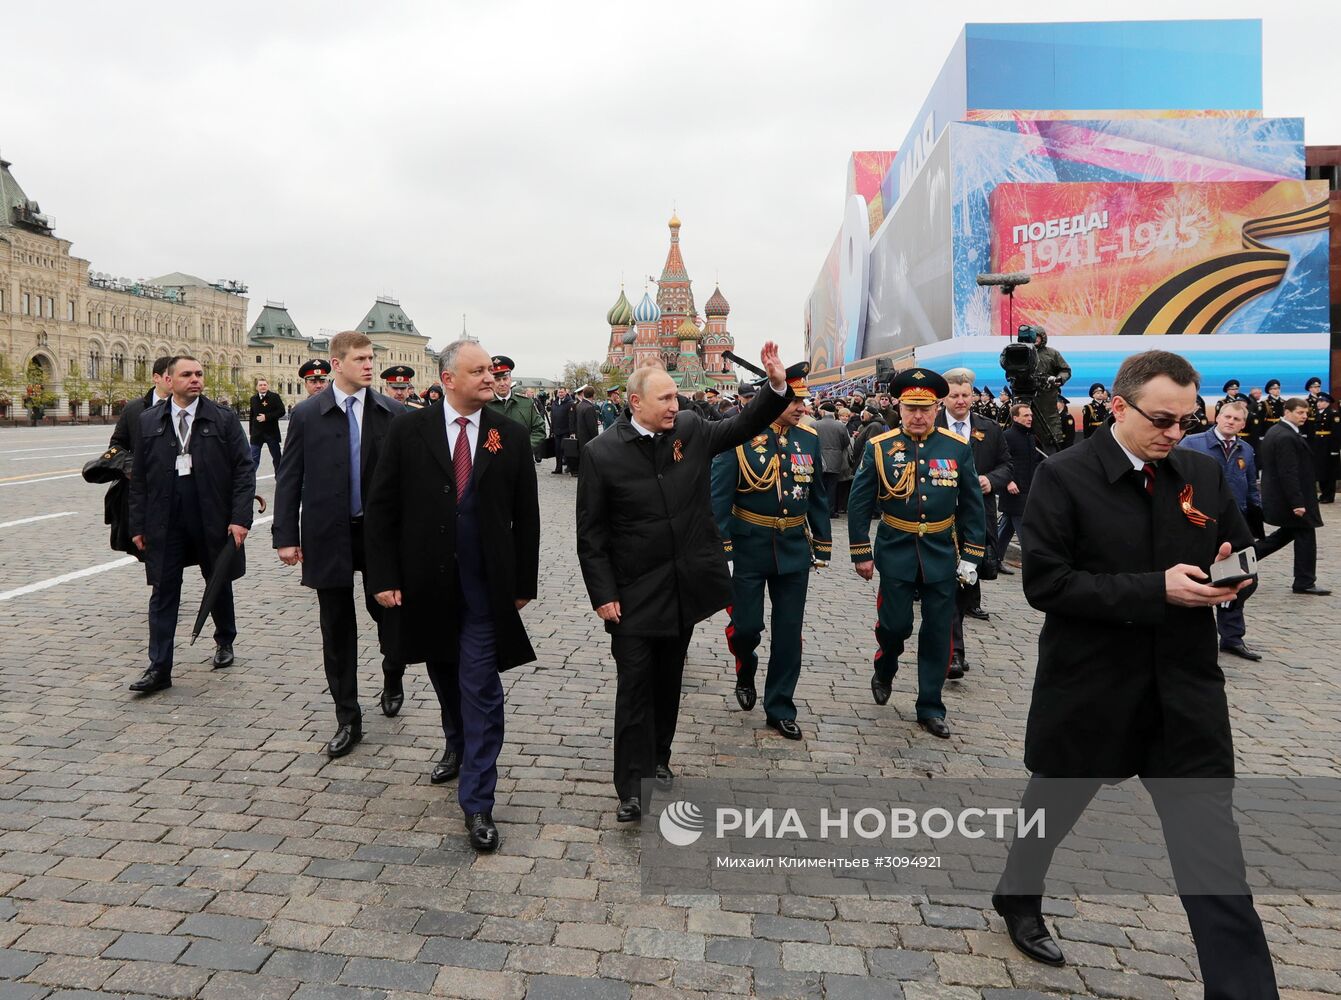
949 433
807 427
888 434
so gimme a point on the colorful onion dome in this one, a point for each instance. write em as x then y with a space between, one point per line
621 313
647 311
631 337
687 331
717 304
609 368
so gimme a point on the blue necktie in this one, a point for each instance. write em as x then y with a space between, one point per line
355 470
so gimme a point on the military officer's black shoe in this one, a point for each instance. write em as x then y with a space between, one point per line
152 680
978 613
786 727
745 696
223 655
344 740
1315 591
483 833
1240 649
446 769
936 727
957 668
1024 923
629 811
879 689
393 694
665 777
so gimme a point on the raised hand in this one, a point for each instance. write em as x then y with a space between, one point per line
771 359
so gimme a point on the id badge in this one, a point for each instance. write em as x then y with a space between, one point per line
183 465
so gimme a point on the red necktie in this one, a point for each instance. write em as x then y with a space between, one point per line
461 459
1150 478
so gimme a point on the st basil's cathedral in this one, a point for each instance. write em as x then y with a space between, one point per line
668 328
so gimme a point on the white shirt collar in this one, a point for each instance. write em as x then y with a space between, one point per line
1136 463
1220 437
452 415
1292 425
641 429
190 409
341 395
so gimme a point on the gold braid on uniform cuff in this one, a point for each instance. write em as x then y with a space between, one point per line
822 547
861 551
726 547
977 551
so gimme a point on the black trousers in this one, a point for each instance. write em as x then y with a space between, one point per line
558 454
1327 472
1305 540
647 706
340 638
1205 854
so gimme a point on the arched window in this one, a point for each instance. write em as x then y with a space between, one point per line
94 363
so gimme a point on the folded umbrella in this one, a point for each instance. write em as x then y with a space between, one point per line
221 575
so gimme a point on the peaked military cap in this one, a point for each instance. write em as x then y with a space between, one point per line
919 386
1234 382
314 367
1312 382
399 375
1272 383
1097 385
501 363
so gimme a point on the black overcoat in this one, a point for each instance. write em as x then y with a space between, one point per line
585 422
1024 461
410 527
126 433
273 408
1126 683
645 531
225 481
312 483
1289 479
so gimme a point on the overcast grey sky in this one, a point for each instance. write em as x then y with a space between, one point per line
505 160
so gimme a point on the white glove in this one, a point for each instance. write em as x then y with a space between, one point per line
968 573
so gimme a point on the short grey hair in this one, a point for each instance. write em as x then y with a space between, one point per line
641 376
447 359
960 376
1234 404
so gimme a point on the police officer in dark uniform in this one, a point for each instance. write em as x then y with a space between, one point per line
923 483
399 381
764 493
1067 422
1273 407
1096 410
314 374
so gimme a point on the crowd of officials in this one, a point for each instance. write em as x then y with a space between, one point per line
690 505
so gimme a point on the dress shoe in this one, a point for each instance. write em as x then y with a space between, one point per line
978 613
153 680
1314 591
483 833
1003 568
936 727
393 694
880 690
1241 650
786 727
745 696
223 655
665 777
556 472
446 769
629 811
343 741
956 670
1024 923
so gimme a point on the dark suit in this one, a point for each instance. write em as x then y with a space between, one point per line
1128 684
586 423
992 459
312 510
126 433
646 538
185 519
560 427
459 591
265 433
1289 481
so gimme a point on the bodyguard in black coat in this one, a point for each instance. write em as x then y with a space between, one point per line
1289 495
1118 534
586 422
320 523
187 501
264 413
651 557
560 426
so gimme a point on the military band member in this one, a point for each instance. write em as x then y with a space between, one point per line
512 405
1325 443
315 374
1273 407
1096 410
1314 389
764 493
922 482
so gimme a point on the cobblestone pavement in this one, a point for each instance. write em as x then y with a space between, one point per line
200 844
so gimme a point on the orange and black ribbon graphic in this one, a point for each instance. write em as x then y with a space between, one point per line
1199 298
1193 515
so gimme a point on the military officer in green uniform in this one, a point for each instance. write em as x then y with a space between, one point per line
921 481
512 405
609 411
764 494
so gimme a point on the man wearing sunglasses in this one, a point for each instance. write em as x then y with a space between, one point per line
1118 535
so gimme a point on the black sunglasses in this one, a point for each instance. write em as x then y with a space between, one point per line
1186 424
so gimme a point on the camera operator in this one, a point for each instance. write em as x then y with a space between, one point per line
1050 372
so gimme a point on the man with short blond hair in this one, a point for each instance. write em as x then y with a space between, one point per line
335 438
